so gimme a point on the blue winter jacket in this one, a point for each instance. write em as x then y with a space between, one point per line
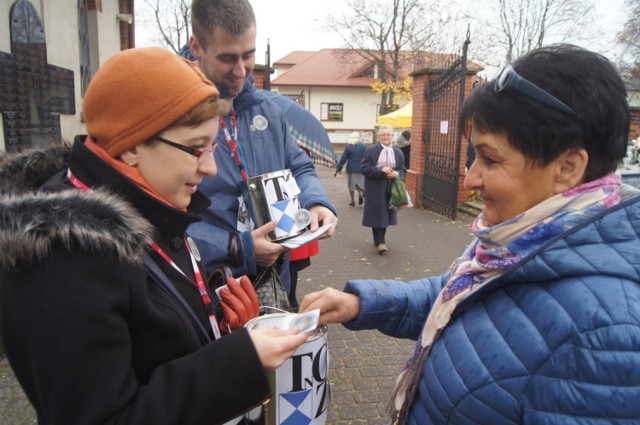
555 340
264 150
352 156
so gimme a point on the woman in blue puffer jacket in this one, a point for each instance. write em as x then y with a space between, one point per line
538 321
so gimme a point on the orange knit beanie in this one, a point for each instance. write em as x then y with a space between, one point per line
137 93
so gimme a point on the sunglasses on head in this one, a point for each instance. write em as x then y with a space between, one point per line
508 78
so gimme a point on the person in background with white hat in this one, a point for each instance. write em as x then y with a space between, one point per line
106 317
352 157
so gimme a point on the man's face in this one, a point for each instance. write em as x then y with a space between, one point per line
228 60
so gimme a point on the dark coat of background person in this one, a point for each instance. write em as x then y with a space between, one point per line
352 157
404 143
376 204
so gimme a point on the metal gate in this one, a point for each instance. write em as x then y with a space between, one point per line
445 94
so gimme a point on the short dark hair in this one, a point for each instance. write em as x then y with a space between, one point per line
235 17
585 81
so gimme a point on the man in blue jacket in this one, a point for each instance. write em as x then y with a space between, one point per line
253 140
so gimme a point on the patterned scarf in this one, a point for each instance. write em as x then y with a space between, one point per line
493 251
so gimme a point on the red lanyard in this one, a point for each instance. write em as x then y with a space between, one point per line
77 183
199 283
232 141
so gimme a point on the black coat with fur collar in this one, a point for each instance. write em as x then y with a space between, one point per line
92 338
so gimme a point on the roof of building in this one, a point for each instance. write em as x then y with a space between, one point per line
344 67
327 67
294 57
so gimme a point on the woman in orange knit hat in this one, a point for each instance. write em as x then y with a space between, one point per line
106 317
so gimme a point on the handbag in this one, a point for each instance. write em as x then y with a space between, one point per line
399 195
270 290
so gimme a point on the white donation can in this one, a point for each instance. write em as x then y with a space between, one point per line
300 389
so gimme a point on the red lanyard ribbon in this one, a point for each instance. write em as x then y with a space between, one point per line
232 141
77 183
199 283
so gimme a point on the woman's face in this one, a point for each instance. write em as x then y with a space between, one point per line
506 184
386 137
175 174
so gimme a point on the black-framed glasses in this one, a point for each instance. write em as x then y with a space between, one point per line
200 153
508 78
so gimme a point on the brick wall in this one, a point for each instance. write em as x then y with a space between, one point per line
417 154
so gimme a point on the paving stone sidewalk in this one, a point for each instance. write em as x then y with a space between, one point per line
364 364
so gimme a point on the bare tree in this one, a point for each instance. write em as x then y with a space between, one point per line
172 20
518 26
384 31
629 37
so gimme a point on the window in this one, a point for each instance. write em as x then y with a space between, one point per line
331 111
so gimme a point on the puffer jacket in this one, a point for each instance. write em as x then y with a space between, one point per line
92 337
554 340
266 146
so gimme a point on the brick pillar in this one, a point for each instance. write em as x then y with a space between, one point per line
418 128
634 130
259 72
127 38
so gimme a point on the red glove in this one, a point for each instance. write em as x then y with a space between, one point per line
239 303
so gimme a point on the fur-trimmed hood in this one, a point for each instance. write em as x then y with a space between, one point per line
31 220
29 169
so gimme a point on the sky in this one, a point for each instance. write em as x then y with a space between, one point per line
291 25
297 24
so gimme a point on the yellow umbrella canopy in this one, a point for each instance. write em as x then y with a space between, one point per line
400 118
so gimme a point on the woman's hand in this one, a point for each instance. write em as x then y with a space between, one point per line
274 346
389 173
335 306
